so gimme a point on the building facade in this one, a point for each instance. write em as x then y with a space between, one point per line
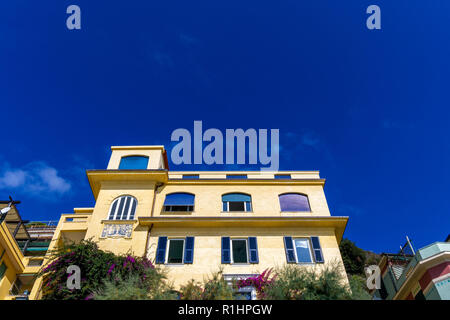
22 251
195 222
421 275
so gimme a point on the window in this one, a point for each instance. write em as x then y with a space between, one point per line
239 250
123 208
133 162
236 202
179 250
299 250
282 176
191 176
294 202
302 251
179 202
175 252
236 176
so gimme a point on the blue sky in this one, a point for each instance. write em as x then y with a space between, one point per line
369 109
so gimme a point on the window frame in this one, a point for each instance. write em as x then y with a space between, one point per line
168 251
297 193
232 251
116 208
308 240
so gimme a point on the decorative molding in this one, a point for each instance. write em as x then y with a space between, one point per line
114 230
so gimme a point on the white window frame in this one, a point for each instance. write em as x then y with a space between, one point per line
308 240
116 209
231 252
168 249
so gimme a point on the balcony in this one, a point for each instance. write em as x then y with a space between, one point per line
75 222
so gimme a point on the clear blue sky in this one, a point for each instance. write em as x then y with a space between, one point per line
369 109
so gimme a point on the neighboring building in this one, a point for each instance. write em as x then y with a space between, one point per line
18 259
421 275
195 222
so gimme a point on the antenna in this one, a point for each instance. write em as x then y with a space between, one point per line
6 209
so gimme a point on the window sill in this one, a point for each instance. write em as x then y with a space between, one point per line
236 211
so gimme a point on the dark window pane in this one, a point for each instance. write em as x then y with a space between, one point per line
190 176
239 251
294 202
175 251
133 209
236 176
178 208
127 207
236 206
282 176
113 210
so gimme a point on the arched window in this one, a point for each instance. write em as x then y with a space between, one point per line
236 202
133 162
123 208
294 202
180 201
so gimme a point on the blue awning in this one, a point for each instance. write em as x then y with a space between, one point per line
179 199
235 197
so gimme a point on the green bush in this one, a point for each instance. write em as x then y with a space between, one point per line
101 272
359 288
213 288
294 282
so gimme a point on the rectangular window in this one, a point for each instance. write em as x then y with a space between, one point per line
191 176
178 208
237 206
236 176
302 250
282 176
239 250
176 250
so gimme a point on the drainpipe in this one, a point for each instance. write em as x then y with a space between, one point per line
158 185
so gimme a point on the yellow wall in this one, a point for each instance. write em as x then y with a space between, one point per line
207 249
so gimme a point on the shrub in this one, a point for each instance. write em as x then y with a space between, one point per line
100 272
295 282
191 291
214 288
359 288
259 282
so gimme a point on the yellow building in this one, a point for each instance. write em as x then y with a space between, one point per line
195 222
17 266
